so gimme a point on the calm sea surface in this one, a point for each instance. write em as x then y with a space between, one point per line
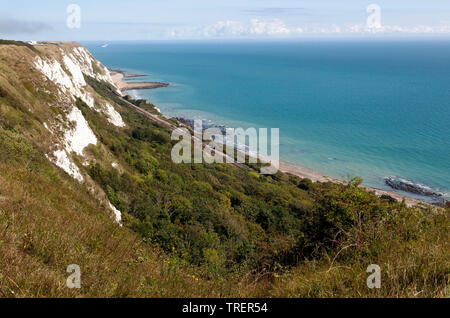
372 109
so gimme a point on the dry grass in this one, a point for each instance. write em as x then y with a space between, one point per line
413 253
45 225
49 221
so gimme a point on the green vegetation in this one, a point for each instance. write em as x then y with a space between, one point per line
97 69
196 229
233 220
18 43
48 221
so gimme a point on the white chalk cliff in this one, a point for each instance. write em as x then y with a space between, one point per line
67 71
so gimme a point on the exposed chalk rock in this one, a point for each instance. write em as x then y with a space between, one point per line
113 116
81 136
117 214
62 160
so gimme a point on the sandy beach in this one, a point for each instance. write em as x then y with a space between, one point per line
118 79
318 177
119 76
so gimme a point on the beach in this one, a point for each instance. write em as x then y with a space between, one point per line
318 177
334 126
118 79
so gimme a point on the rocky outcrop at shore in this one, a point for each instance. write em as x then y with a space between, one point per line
412 187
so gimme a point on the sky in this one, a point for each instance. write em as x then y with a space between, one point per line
111 20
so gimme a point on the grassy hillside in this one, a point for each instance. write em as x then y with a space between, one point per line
189 230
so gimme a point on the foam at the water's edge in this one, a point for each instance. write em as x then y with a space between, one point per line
402 184
354 106
412 188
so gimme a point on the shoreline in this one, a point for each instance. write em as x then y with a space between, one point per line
119 76
318 177
301 172
126 75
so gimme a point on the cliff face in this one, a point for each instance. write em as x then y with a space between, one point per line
66 67
48 81
61 116
61 122
76 158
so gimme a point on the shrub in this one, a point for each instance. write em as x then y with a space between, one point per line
161 175
305 184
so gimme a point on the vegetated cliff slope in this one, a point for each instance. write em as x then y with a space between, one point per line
40 88
87 180
52 217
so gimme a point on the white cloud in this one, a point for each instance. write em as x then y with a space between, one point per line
396 29
254 27
278 28
275 27
361 29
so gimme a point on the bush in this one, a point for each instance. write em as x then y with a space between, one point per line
388 198
161 175
180 209
150 135
305 184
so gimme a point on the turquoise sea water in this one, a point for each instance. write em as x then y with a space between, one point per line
367 108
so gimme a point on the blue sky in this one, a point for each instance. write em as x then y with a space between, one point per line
109 20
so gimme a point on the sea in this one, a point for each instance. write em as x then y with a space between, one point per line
368 108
